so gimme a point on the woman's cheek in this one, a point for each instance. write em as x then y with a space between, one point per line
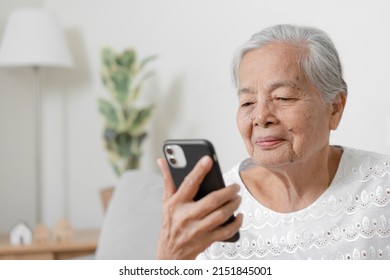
245 128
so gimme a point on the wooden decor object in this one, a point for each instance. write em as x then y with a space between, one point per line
42 234
63 231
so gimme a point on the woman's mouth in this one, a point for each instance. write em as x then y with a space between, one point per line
268 142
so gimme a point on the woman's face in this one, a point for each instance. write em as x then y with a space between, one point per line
281 117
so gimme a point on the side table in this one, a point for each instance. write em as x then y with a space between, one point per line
83 243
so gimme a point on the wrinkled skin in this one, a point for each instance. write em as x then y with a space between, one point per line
285 125
189 227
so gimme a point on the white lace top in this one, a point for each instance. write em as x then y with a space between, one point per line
350 220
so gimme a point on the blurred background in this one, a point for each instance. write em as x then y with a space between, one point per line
191 90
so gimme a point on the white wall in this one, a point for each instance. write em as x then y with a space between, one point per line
195 41
17 192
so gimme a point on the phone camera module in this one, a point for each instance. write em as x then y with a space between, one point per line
175 156
172 160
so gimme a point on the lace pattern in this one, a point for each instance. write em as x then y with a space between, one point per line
345 204
351 220
367 169
369 253
306 240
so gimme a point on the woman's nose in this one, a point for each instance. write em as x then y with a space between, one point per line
264 114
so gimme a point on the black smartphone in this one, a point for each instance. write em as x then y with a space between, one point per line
182 155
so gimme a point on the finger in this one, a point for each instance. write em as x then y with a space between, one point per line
170 188
226 231
220 216
216 199
192 181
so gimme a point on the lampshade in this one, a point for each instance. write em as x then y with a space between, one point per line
33 37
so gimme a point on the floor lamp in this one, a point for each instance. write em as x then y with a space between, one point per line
33 38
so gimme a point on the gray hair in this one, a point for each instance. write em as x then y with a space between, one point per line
320 60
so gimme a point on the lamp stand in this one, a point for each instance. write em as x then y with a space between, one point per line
37 119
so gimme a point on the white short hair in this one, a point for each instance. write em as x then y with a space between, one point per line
319 60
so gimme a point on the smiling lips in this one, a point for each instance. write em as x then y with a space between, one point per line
268 142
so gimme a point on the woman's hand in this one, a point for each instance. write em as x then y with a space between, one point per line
189 227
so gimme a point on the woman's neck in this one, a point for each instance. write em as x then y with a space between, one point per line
296 186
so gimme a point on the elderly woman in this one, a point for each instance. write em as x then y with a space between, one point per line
296 196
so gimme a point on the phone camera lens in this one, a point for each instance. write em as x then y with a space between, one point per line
169 151
172 160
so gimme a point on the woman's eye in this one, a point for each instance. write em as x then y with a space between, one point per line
246 104
284 98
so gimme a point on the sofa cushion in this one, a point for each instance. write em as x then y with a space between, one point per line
132 222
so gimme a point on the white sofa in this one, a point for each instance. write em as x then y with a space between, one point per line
131 225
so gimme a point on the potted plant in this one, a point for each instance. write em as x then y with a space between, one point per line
124 122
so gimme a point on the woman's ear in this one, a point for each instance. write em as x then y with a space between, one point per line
337 109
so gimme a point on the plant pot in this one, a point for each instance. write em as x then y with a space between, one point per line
105 196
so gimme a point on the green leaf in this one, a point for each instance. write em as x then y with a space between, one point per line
121 83
136 151
145 61
105 80
123 144
109 138
107 57
136 90
126 59
142 117
116 168
133 95
139 141
108 111
123 77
